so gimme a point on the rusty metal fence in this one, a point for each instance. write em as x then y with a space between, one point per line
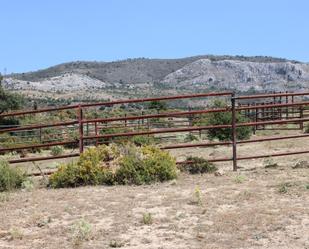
279 113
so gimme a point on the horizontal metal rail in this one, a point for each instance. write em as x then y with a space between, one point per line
273 122
273 155
60 108
194 128
166 130
33 146
34 159
251 157
262 96
179 146
127 101
188 96
272 105
161 115
32 127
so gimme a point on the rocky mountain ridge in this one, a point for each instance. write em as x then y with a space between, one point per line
151 76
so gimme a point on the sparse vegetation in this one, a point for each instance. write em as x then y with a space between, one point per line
81 231
190 137
57 150
10 178
4 196
197 196
198 165
27 184
147 219
16 234
142 140
239 178
270 163
284 187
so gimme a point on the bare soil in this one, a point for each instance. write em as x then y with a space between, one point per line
256 207
248 209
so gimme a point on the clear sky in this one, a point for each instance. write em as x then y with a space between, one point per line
39 33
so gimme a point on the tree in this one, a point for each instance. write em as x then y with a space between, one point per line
9 101
158 105
223 118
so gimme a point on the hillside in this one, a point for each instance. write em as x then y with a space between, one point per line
144 77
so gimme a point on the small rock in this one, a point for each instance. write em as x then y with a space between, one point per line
301 165
4 233
217 173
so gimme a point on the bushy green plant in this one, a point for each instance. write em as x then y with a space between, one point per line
190 137
10 178
88 170
9 101
10 121
223 118
198 165
157 105
146 165
142 140
121 164
57 150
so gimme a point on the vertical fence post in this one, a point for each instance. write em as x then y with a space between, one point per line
40 134
234 137
301 115
256 119
287 108
96 133
81 129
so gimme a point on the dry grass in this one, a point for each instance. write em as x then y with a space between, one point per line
256 207
253 214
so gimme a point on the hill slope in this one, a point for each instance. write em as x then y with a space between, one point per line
141 77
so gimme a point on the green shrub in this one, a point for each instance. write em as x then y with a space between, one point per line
88 170
157 105
11 121
142 140
190 137
75 174
57 150
122 164
223 118
10 178
145 165
198 165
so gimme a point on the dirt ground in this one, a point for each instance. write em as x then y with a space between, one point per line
256 207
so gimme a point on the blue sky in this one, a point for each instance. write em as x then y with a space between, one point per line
36 34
